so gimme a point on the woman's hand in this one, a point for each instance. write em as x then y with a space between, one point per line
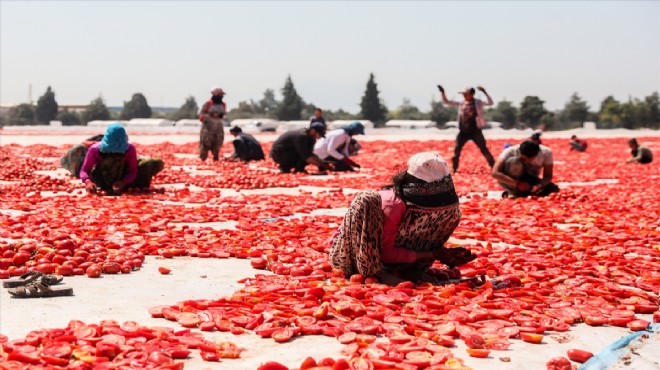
118 186
90 187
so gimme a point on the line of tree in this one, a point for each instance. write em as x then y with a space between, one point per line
631 114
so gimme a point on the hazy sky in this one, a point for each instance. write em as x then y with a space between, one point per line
169 50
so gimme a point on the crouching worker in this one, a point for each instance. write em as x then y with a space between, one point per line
640 153
396 234
518 169
578 144
294 149
112 164
73 160
336 147
246 147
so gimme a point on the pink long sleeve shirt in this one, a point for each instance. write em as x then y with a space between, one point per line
394 210
93 158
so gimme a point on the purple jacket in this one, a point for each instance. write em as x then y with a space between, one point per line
93 158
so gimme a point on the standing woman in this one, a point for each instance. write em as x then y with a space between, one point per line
112 164
212 133
396 234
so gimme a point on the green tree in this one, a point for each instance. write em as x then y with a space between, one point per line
244 110
137 107
609 115
505 113
290 109
653 105
338 114
187 111
96 110
46 110
441 114
308 110
407 111
69 118
549 121
531 110
575 111
21 115
629 116
267 106
372 108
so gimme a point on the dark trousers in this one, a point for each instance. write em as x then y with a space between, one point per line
242 151
288 161
478 137
340 166
522 176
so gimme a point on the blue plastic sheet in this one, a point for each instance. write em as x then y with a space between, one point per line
614 351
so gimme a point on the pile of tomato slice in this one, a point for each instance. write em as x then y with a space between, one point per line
590 254
110 345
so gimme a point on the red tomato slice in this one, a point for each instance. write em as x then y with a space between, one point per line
531 337
348 337
282 335
358 363
559 363
272 365
579 355
188 319
637 325
478 352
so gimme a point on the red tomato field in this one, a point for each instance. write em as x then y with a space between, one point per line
585 260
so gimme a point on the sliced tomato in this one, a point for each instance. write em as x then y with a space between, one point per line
348 337
559 363
282 335
637 325
531 337
272 365
478 352
579 355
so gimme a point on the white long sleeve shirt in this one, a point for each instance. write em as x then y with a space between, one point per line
331 145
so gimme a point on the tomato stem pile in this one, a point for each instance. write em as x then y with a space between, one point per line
589 255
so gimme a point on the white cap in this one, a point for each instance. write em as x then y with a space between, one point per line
428 166
217 91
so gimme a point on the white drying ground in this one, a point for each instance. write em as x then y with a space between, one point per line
128 297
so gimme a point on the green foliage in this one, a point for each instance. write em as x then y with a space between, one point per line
653 105
371 106
244 110
290 109
609 115
137 107
633 114
308 110
575 111
69 118
21 115
549 121
407 111
339 114
46 110
187 111
505 113
441 114
267 106
531 110
96 110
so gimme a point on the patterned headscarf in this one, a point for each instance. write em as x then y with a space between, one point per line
436 188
